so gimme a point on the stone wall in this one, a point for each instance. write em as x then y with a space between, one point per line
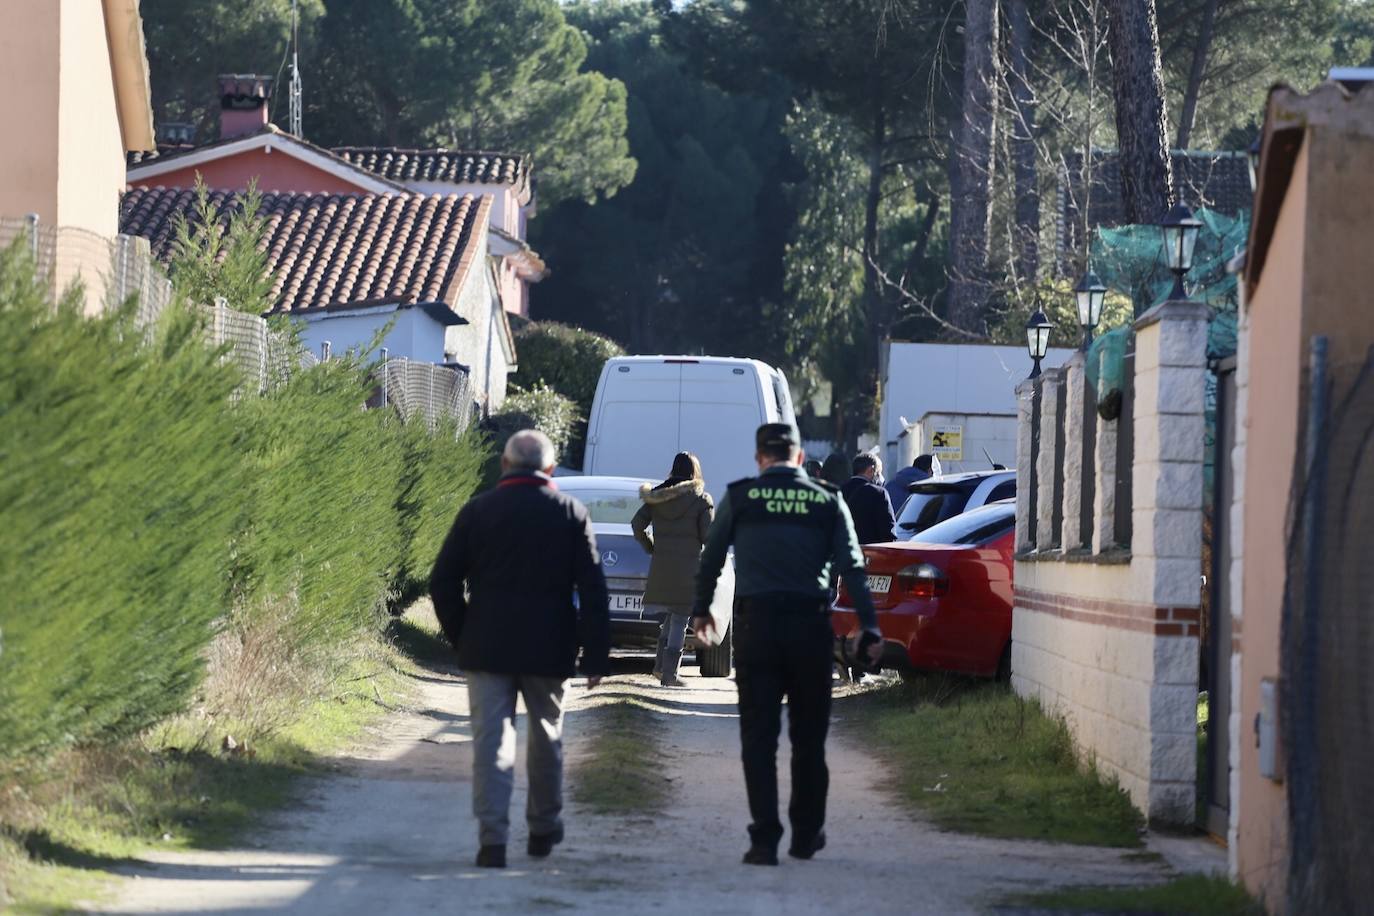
1103 634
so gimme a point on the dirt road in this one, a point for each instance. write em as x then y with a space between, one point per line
392 833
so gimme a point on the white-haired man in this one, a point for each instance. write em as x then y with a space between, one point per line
523 549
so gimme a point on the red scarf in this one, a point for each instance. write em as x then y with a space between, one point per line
526 480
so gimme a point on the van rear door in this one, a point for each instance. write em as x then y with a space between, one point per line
637 420
722 406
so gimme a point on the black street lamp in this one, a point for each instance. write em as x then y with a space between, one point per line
1180 229
1089 294
1038 339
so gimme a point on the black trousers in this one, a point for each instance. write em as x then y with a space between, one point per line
784 648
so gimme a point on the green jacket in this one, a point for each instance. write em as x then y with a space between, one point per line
791 536
680 516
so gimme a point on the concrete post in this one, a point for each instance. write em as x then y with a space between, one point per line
1166 497
1025 445
1047 461
1072 537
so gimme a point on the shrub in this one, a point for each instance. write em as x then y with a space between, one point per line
541 408
119 499
566 359
146 510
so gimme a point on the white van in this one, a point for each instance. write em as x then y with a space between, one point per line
649 408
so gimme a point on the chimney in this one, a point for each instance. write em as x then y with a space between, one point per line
243 99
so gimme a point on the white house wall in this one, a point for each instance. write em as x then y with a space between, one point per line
414 336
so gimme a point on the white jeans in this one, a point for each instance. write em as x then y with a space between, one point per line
491 698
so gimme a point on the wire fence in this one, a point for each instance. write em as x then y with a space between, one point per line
106 273
419 389
1328 641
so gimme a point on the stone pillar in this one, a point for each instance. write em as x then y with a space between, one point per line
1073 537
1103 535
1025 421
1166 496
1047 461
1236 533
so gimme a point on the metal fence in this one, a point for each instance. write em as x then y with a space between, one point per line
108 272
419 389
1327 701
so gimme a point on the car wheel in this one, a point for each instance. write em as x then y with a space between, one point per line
714 661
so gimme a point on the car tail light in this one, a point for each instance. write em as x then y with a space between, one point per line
923 580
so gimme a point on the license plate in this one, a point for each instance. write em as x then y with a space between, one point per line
879 585
623 603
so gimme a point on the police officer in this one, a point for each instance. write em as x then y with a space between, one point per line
788 530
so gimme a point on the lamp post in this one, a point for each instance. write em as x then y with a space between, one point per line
1089 295
1180 229
1038 339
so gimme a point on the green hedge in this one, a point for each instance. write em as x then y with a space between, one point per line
142 508
541 408
566 359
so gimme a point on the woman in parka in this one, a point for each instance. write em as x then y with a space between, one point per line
680 512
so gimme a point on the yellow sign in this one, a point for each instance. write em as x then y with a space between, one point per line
947 443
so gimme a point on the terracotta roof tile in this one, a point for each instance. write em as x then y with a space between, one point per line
440 165
326 249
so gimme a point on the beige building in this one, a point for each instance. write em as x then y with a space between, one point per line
1303 723
82 97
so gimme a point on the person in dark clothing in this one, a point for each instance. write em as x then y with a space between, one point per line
522 548
897 487
789 533
835 471
813 469
868 501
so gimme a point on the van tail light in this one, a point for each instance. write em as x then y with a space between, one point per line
922 580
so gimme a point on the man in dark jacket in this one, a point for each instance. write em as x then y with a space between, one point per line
868 502
522 548
897 487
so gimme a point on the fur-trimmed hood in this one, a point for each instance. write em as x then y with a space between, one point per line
658 497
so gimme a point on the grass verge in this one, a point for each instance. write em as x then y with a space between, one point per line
1192 895
974 757
69 818
622 771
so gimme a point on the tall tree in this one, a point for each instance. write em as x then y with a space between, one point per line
1202 47
689 256
1026 244
473 75
1141 123
190 42
971 167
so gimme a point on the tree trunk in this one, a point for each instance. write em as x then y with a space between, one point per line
1023 144
1201 50
1138 87
972 166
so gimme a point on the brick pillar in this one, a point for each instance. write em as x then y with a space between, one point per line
1047 461
1073 537
1166 497
1025 418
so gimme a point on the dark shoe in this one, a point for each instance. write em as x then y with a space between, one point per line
807 850
540 846
761 855
672 682
491 857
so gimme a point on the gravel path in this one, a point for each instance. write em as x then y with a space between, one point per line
392 832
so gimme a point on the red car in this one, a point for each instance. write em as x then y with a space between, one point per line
944 600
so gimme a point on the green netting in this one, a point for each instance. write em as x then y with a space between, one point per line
1130 260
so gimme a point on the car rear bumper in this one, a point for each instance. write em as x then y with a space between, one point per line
642 634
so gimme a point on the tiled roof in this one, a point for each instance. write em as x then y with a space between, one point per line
1216 180
452 166
325 249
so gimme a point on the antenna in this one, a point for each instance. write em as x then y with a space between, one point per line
295 90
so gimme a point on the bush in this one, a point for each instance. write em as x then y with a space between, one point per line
119 496
566 359
145 510
541 408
